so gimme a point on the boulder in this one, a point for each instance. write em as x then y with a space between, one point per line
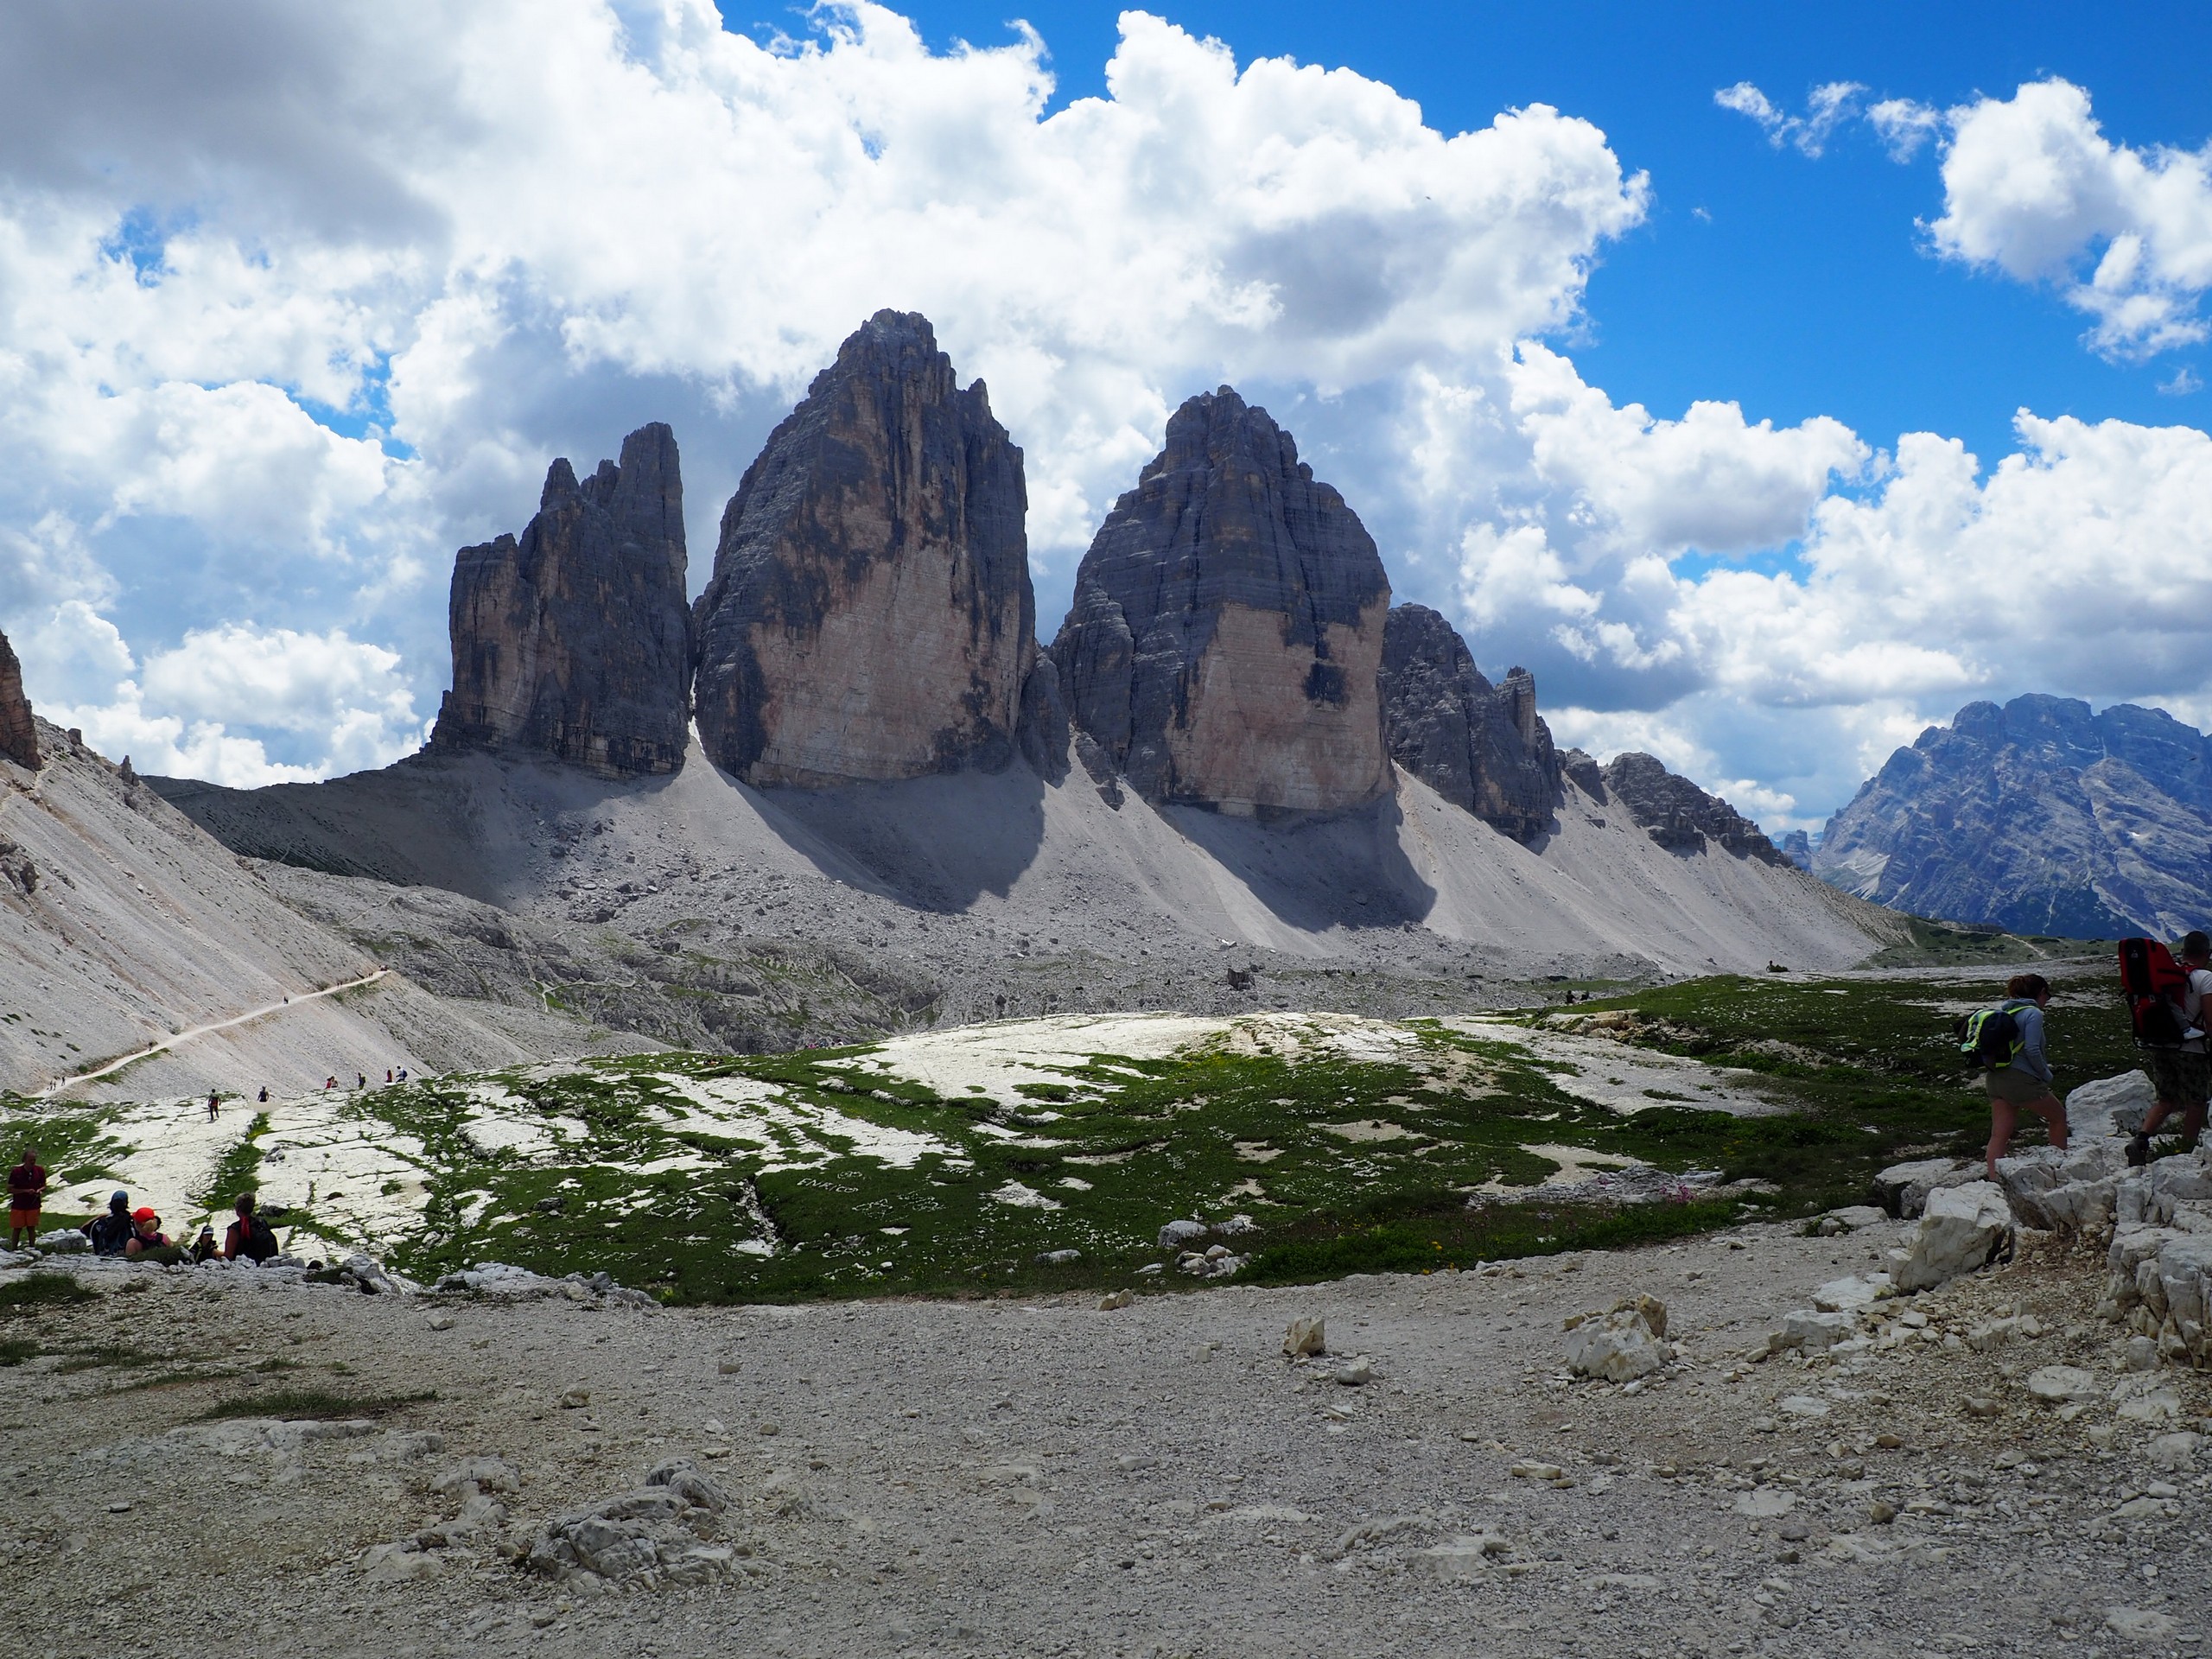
1961 1227
1848 1295
2072 1192
1480 746
63 1241
18 731
1812 1331
659 1535
575 640
1305 1337
1227 628
1902 1189
2109 1107
870 615
1620 1346
2057 1385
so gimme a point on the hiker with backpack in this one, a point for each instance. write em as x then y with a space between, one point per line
2167 1002
111 1233
249 1235
2007 1043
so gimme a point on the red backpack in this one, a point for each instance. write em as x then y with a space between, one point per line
2154 985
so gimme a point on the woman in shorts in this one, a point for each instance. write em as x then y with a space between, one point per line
2026 1084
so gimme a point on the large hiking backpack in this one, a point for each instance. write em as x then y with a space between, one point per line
1990 1038
2154 985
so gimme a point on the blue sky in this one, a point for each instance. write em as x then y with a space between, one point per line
1647 396
1807 291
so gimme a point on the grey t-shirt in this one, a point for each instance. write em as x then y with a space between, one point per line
2031 1059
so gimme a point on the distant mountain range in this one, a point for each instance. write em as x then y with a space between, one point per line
2039 817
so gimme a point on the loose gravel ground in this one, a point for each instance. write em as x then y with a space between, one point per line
998 1477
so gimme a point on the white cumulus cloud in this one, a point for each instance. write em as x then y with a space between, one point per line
295 301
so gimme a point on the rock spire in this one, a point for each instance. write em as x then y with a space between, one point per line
575 640
1480 746
870 614
18 731
1228 624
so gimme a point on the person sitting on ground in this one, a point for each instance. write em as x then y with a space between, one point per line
26 1197
2182 1076
264 1094
249 1235
111 1233
2026 1082
203 1248
146 1233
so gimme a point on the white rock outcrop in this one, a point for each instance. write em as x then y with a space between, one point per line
1960 1230
1623 1342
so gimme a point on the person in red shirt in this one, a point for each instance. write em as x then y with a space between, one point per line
26 1197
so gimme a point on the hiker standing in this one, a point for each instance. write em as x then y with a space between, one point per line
26 1197
2181 1072
2023 1081
214 1105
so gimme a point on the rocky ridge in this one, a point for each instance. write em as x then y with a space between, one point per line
1674 812
871 615
1480 746
2040 817
574 641
1227 629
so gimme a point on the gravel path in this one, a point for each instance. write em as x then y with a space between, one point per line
1008 1477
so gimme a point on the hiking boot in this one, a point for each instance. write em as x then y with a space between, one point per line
2138 1151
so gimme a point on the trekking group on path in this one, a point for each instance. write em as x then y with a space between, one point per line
2169 1006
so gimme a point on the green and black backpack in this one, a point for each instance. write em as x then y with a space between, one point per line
1988 1040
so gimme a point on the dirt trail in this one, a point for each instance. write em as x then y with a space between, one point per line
173 1041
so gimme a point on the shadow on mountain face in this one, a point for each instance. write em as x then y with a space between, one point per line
1338 869
935 843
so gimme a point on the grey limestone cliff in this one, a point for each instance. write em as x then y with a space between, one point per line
18 731
1481 746
871 615
1227 627
574 641
2040 817
1669 808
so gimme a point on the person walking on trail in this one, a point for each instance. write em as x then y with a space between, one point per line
26 1197
2181 1076
111 1233
2020 1081
249 1235
214 1105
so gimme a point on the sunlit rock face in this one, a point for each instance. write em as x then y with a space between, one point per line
871 615
1479 746
18 732
1228 624
575 640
